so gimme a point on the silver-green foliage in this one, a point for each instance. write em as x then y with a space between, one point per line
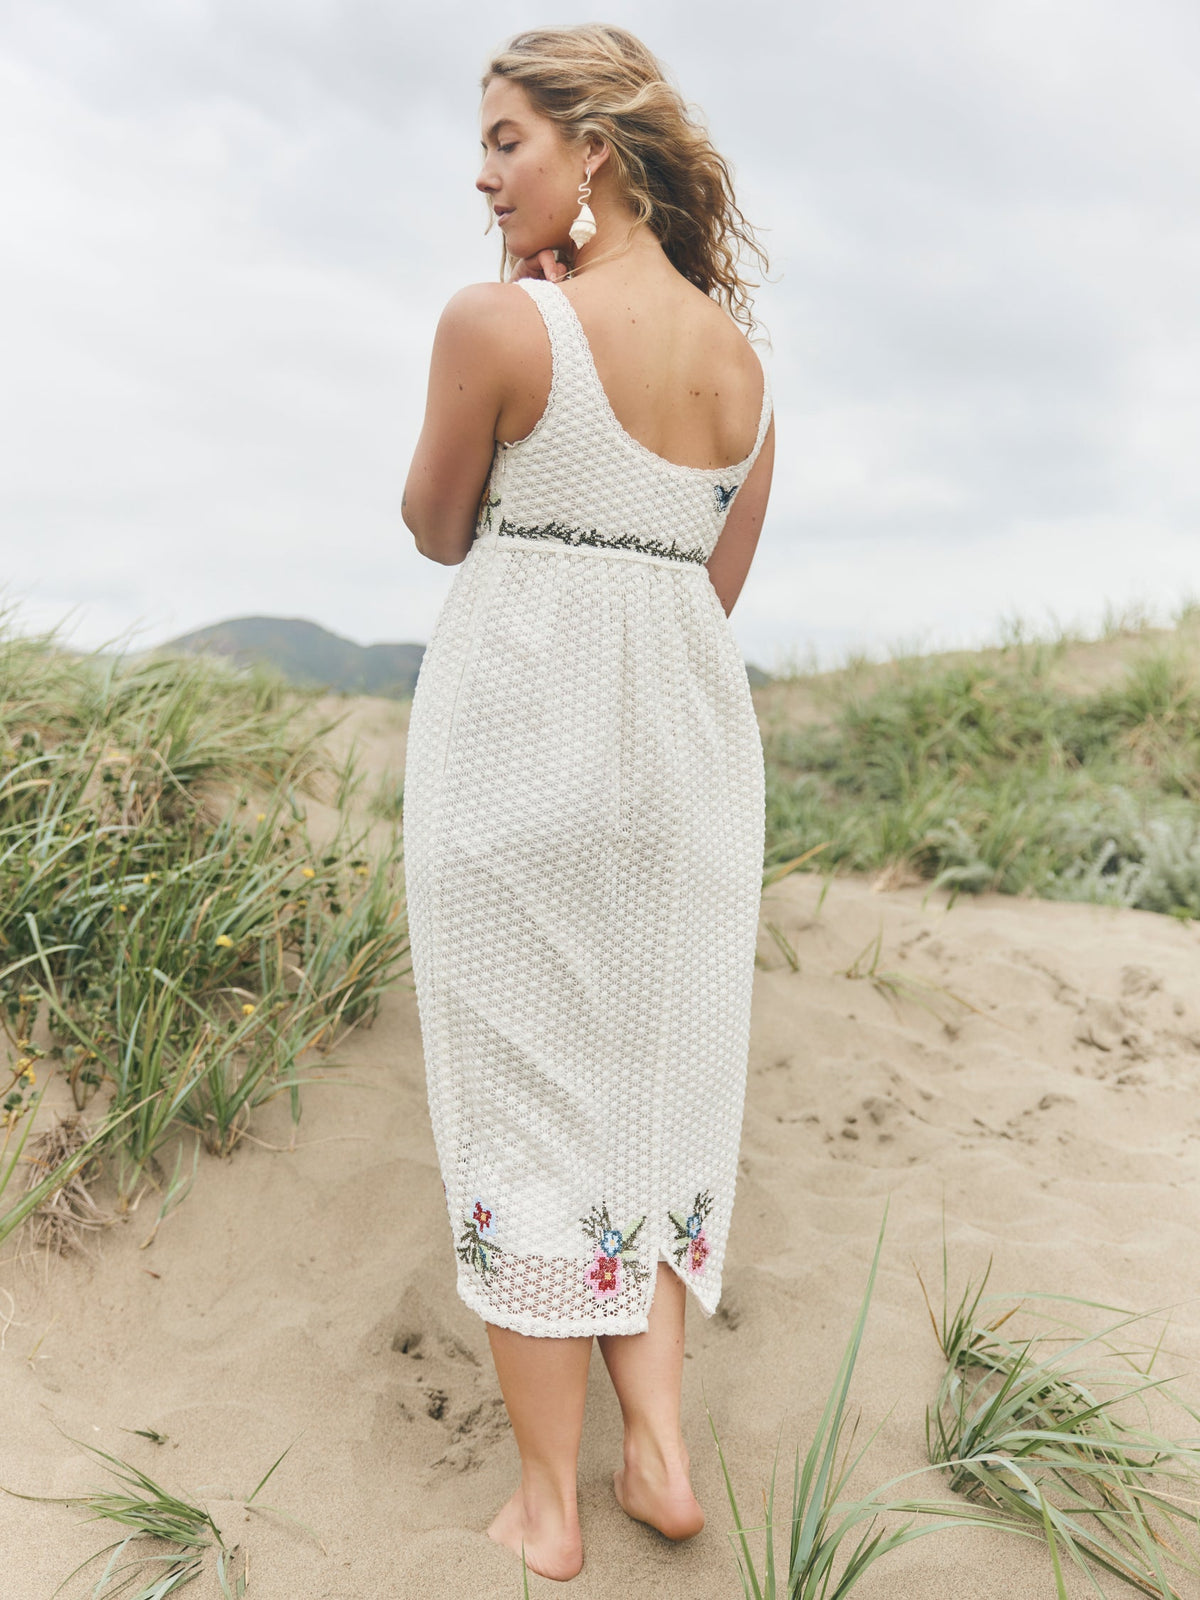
1156 867
988 775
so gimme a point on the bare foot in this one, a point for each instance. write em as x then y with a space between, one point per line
553 1547
659 1493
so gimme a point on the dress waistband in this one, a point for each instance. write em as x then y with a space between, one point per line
558 536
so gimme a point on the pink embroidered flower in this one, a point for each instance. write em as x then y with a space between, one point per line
690 1247
604 1275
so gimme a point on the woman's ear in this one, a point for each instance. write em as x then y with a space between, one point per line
595 154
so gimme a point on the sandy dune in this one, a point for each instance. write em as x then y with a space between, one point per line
306 1297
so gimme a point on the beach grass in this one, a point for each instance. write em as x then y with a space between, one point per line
172 938
152 1515
1043 767
829 1540
1038 1443
1057 1427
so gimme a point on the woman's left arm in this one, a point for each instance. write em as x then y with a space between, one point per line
454 453
730 561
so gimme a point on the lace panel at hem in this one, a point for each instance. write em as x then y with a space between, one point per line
582 1321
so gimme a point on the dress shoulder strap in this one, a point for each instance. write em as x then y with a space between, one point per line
569 353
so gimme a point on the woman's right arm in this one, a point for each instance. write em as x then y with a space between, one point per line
454 453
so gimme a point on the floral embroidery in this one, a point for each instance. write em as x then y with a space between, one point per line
604 1275
616 1261
724 495
590 536
691 1246
476 1246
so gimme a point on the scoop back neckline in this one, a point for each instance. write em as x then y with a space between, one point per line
663 461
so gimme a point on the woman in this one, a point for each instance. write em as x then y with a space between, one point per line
584 787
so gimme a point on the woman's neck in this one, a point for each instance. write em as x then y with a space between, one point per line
620 236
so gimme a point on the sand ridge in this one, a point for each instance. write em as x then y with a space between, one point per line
307 1295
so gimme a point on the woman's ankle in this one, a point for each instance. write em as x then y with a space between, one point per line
655 1456
548 1500
655 1486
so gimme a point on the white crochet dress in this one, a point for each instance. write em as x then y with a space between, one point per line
583 821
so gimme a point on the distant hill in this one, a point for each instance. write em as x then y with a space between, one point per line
310 656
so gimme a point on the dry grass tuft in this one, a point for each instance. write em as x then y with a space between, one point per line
67 1214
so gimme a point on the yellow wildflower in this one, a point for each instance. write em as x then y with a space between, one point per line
247 1009
307 872
30 1076
261 817
122 908
362 871
224 939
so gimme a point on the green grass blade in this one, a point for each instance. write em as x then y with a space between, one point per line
815 1478
750 1575
271 1468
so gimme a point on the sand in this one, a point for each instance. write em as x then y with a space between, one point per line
305 1298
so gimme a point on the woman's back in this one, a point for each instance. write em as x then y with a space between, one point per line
680 376
576 476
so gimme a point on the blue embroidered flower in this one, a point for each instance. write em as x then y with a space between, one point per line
611 1242
691 1247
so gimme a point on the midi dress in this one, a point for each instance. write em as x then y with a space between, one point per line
583 818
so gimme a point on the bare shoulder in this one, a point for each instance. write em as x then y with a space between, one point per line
487 312
725 338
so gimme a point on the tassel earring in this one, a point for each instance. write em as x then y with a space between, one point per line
584 226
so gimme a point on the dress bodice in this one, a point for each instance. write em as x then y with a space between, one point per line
579 479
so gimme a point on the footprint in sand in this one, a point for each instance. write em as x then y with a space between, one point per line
1139 982
444 1380
1115 1032
874 1119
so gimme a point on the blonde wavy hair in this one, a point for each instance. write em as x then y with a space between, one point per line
600 81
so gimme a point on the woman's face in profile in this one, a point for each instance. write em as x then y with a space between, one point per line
530 174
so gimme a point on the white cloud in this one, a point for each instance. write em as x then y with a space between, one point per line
230 227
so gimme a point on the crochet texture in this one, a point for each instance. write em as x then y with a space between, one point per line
583 822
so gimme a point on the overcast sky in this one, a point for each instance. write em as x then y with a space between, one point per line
228 228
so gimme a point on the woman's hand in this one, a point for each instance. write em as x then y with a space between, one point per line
543 265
